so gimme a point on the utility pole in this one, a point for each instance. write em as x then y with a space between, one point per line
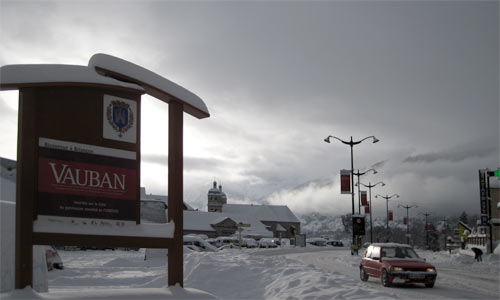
407 221
445 232
426 230
490 174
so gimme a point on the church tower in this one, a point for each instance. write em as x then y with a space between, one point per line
216 198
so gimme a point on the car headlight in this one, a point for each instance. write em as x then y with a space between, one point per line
397 269
431 270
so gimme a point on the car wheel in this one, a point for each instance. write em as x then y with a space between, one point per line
385 279
362 274
429 285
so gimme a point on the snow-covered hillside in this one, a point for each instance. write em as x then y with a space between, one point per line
316 225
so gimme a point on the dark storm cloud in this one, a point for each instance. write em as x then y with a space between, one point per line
456 154
378 165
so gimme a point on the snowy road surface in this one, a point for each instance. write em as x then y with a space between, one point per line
459 277
305 273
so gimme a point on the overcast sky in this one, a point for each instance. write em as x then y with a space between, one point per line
278 77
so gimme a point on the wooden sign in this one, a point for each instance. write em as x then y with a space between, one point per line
79 157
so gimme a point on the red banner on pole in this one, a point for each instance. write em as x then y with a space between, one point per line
364 202
390 215
345 181
405 221
367 209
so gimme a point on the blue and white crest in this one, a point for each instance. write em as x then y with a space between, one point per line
120 116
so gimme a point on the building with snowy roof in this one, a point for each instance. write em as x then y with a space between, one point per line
222 219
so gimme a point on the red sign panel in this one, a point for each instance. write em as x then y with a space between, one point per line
363 198
367 209
88 180
390 215
345 181
86 184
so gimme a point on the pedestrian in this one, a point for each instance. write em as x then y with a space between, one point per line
478 254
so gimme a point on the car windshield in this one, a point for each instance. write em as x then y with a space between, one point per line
398 252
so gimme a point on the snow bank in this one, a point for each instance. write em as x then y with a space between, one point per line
7 254
8 242
174 292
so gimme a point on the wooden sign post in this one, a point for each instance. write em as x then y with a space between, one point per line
78 173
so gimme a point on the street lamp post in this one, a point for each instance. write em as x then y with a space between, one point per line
407 221
387 210
351 144
426 230
359 194
369 186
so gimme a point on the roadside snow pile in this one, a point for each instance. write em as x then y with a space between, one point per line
490 263
174 292
257 275
7 257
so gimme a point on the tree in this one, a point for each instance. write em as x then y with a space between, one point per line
347 222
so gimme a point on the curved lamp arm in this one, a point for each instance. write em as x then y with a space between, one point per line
375 140
327 139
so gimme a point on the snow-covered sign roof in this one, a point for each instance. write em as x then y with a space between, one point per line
13 77
165 230
276 213
103 71
154 84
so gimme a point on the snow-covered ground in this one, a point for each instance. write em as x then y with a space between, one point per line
288 273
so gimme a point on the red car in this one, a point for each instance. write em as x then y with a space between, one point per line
396 263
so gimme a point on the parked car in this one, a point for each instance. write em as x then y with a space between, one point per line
335 243
212 242
396 263
196 243
320 242
225 240
249 243
268 243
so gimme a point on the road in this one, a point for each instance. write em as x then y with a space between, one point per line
455 280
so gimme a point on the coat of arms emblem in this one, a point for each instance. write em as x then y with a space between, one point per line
120 116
